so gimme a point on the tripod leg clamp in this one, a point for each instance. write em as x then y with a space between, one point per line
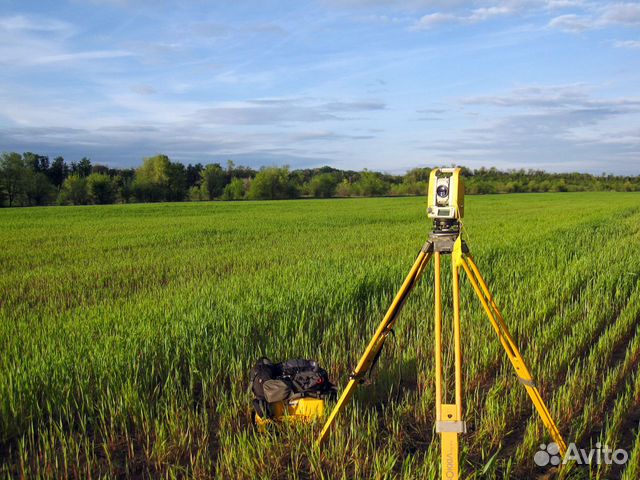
453 427
358 377
428 246
528 383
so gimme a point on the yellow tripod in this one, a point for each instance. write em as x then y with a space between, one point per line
449 418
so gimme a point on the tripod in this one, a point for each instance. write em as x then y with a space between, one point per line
449 419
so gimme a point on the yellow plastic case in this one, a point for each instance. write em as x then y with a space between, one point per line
298 410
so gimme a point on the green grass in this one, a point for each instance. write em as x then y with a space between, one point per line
127 333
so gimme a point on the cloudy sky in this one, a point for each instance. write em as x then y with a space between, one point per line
551 84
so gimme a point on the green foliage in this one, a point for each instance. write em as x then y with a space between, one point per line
323 185
74 191
13 176
344 189
176 182
39 190
36 163
196 194
480 187
409 188
159 179
213 180
371 184
58 171
32 180
123 185
235 190
101 189
417 175
83 168
154 170
193 175
272 183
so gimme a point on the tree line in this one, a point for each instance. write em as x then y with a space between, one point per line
31 179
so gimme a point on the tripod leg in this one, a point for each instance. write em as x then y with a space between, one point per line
455 268
379 337
437 289
522 371
449 422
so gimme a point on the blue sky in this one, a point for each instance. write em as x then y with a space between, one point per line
551 84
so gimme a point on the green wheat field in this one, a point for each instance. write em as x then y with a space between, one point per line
127 333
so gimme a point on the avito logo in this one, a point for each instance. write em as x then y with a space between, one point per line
602 454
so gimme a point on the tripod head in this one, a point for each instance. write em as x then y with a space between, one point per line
446 226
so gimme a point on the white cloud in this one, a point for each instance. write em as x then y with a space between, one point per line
558 97
381 19
572 23
281 111
581 15
17 23
75 57
474 16
433 19
487 13
612 14
35 41
396 5
560 4
143 89
621 13
557 127
627 44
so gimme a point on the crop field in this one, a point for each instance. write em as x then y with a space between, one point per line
127 333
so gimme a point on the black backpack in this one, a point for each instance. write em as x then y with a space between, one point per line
297 378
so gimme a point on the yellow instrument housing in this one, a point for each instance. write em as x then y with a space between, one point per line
303 410
451 206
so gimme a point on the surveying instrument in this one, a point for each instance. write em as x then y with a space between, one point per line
445 205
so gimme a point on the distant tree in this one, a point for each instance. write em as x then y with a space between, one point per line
38 188
152 179
484 187
74 191
58 171
513 187
176 182
101 189
344 189
230 168
240 171
413 188
370 184
272 183
544 186
212 180
13 176
234 190
84 167
154 169
196 194
123 185
100 169
193 174
35 162
417 175
323 185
